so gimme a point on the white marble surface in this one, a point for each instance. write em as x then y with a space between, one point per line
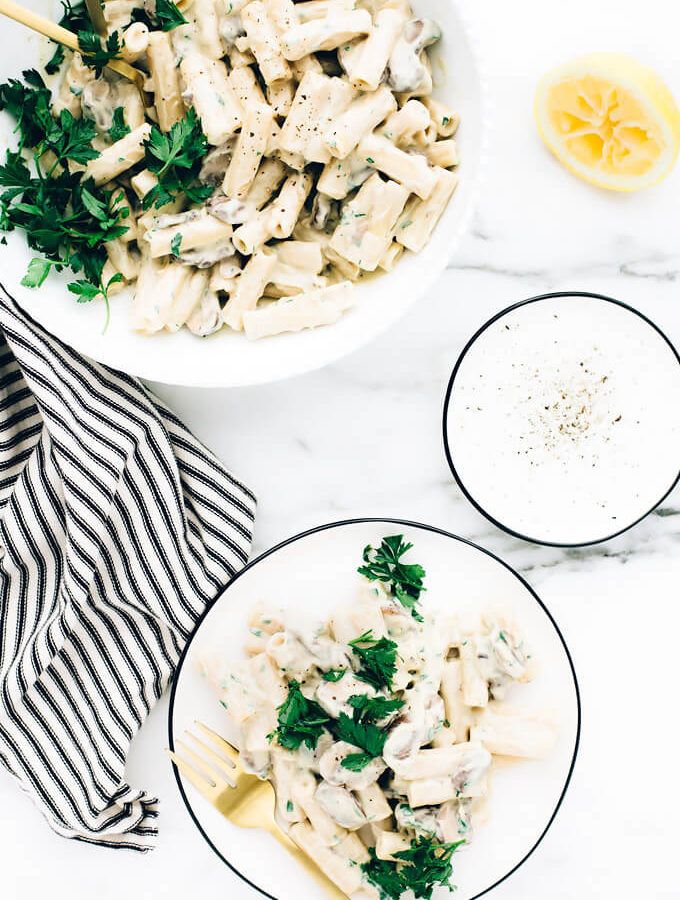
364 438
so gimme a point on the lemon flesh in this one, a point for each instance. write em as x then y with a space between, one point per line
610 120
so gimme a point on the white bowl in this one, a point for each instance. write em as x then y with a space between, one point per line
227 359
316 571
548 425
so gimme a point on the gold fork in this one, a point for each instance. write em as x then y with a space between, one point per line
249 802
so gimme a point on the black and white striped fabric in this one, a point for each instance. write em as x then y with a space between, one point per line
116 529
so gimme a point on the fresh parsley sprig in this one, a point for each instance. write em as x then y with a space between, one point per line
378 659
373 709
299 720
67 219
333 674
384 564
420 869
175 159
75 18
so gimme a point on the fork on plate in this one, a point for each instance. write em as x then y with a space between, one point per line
244 799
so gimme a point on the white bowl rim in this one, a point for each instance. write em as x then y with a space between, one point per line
449 391
390 521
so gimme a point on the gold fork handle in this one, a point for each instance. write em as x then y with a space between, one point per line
307 863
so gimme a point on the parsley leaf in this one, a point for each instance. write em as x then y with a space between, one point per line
175 159
57 58
95 54
384 564
365 735
378 659
355 762
371 709
420 868
430 864
118 129
37 272
167 16
300 720
75 16
333 674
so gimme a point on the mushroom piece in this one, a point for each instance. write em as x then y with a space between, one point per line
406 71
233 212
401 746
98 103
332 770
322 207
216 162
207 317
340 805
231 27
206 257
471 769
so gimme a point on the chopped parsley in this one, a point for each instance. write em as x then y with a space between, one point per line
289 806
384 564
300 720
378 659
174 249
333 674
175 159
55 61
420 869
118 129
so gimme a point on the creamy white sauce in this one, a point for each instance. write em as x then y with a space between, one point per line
563 422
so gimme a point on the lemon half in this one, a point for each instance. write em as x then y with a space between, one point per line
610 120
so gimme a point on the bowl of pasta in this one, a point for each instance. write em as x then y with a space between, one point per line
290 179
407 694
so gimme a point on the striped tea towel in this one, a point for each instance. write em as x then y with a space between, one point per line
116 529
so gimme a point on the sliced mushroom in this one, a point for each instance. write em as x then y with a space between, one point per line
207 317
216 162
322 207
406 71
472 767
231 27
332 770
233 212
97 102
340 805
402 744
206 257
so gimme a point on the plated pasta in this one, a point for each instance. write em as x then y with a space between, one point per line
280 153
379 726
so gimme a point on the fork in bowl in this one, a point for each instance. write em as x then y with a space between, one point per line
244 799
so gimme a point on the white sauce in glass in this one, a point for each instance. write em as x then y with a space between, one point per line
564 419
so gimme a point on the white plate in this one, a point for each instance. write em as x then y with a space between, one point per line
548 425
227 359
317 571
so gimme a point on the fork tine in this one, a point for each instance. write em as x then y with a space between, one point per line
229 768
200 783
220 742
204 767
